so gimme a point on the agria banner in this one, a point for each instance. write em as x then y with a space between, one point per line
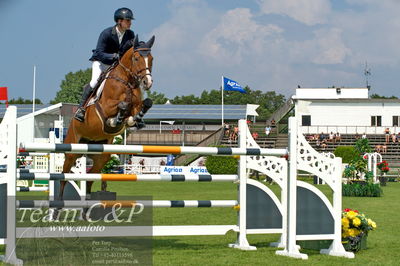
183 170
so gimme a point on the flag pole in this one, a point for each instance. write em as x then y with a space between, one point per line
33 102
222 101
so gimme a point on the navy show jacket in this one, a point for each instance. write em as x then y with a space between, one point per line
108 45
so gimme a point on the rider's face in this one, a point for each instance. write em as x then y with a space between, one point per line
125 24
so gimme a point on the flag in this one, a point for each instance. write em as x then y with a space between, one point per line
4 95
231 85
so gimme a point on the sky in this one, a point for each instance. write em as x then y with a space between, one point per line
268 45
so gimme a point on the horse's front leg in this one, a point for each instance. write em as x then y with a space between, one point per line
123 108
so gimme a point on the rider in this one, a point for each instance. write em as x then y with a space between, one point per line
109 47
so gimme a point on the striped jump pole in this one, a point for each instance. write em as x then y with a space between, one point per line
126 203
143 149
126 177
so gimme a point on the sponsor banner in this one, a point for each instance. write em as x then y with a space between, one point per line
183 170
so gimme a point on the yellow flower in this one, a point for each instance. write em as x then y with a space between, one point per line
345 222
371 223
356 222
345 233
351 214
354 232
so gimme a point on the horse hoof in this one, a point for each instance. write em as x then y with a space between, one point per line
112 122
130 121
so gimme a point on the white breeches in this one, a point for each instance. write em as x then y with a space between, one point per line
97 68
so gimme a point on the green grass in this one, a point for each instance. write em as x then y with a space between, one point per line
383 244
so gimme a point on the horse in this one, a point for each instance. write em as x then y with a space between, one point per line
119 106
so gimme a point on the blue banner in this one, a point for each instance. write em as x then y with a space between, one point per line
231 85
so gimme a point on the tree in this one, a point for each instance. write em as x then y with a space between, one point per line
72 87
377 96
158 98
20 100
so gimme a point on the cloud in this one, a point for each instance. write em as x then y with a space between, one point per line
309 12
236 36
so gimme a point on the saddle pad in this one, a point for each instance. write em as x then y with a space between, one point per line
98 92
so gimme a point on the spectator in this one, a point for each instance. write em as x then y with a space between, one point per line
201 163
394 137
254 135
384 148
398 137
332 137
273 123
322 136
338 137
357 136
235 131
323 144
141 162
387 135
162 162
364 136
268 130
378 148
318 143
226 130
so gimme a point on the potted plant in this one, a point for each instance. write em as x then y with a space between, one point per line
384 168
355 228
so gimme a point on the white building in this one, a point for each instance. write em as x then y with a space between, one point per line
345 110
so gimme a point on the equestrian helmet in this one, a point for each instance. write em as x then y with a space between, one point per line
123 13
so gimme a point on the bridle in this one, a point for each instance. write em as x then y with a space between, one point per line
138 77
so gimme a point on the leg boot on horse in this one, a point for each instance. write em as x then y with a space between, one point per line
80 113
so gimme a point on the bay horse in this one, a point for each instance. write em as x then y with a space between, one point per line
118 107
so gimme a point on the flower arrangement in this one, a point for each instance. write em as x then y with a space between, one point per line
383 166
355 227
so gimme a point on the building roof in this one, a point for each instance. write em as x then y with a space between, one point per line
23 109
157 112
195 112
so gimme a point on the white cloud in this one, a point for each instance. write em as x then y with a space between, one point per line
236 36
309 12
330 48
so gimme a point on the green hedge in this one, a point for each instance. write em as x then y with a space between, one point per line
222 165
362 190
347 153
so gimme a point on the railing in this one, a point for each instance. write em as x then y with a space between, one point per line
213 139
281 112
348 129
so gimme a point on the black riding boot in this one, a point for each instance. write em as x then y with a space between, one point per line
80 113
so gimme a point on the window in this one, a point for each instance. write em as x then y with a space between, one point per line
306 120
396 120
376 121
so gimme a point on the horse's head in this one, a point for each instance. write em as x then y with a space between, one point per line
138 61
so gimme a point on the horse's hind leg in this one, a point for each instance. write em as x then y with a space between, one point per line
99 160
